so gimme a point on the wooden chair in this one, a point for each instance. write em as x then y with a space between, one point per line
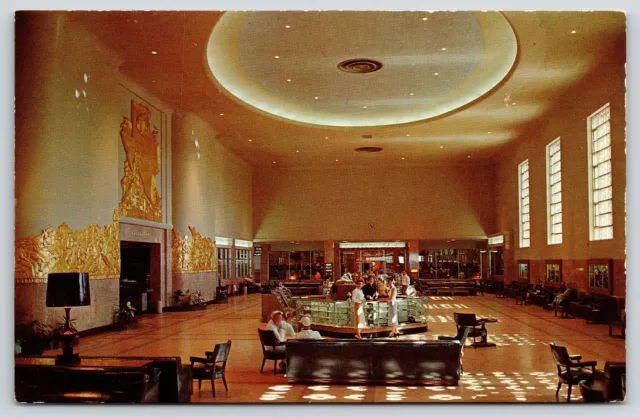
212 366
271 350
571 370
477 327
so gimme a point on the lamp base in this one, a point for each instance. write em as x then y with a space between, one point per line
68 360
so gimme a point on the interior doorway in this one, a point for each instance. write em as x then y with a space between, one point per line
135 273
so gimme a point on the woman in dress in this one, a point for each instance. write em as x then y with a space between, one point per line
393 307
358 307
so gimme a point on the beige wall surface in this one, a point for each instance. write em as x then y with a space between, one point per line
438 202
66 146
213 192
568 120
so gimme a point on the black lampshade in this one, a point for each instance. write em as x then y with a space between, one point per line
68 289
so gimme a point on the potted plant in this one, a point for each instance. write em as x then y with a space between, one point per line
124 316
33 338
189 301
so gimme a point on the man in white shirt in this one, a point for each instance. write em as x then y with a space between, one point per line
275 325
289 332
405 280
306 332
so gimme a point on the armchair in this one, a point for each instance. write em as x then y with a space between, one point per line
212 366
461 336
571 369
271 350
477 328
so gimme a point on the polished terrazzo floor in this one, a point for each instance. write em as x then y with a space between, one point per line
519 369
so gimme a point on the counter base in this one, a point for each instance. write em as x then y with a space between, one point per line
343 332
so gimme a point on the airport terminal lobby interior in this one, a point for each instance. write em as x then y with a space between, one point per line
439 196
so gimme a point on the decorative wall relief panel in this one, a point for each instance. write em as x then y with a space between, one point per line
140 196
193 254
94 249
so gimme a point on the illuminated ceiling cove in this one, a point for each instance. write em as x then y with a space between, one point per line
287 63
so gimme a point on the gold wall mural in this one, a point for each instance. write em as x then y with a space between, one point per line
140 196
94 249
193 254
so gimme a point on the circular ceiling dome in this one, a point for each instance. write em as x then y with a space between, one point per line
360 68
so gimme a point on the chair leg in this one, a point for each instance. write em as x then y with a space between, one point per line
275 365
558 390
213 387
264 359
569 394
225 383
199 384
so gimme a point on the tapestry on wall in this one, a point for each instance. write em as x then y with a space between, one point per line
140 196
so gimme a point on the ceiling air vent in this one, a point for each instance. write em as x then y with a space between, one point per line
368 149
360 66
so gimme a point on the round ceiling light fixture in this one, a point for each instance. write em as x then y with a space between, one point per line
368 149
360 66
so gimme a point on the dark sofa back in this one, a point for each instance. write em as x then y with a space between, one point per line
405 362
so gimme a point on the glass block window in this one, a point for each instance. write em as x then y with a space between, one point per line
554 193
600 188
243 263
224 264
523 203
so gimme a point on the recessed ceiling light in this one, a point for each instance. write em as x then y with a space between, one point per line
514 103
468 156
277 56
274 162
443 49
221 114
410 94
287 26
288 80
408 134
441 146
573 31
489 132
364 107
316 98
326 137
435 73
425 18
297 151
154 52
336 160
403 158
251 140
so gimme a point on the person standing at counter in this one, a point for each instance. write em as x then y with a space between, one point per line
370 290
358 308
393 307
405 280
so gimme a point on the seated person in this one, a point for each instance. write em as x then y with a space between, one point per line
306 332
561 297
370 290
317 276
289 331
275 325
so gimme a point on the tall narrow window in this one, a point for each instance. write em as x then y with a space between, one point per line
523 203
600 189
554 194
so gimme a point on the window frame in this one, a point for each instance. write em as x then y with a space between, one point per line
550 224
520 206
591 176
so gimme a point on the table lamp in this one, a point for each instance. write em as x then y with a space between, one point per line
65 290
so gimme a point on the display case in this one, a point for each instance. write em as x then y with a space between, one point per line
335 313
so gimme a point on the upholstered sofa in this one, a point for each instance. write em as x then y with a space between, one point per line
374 362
